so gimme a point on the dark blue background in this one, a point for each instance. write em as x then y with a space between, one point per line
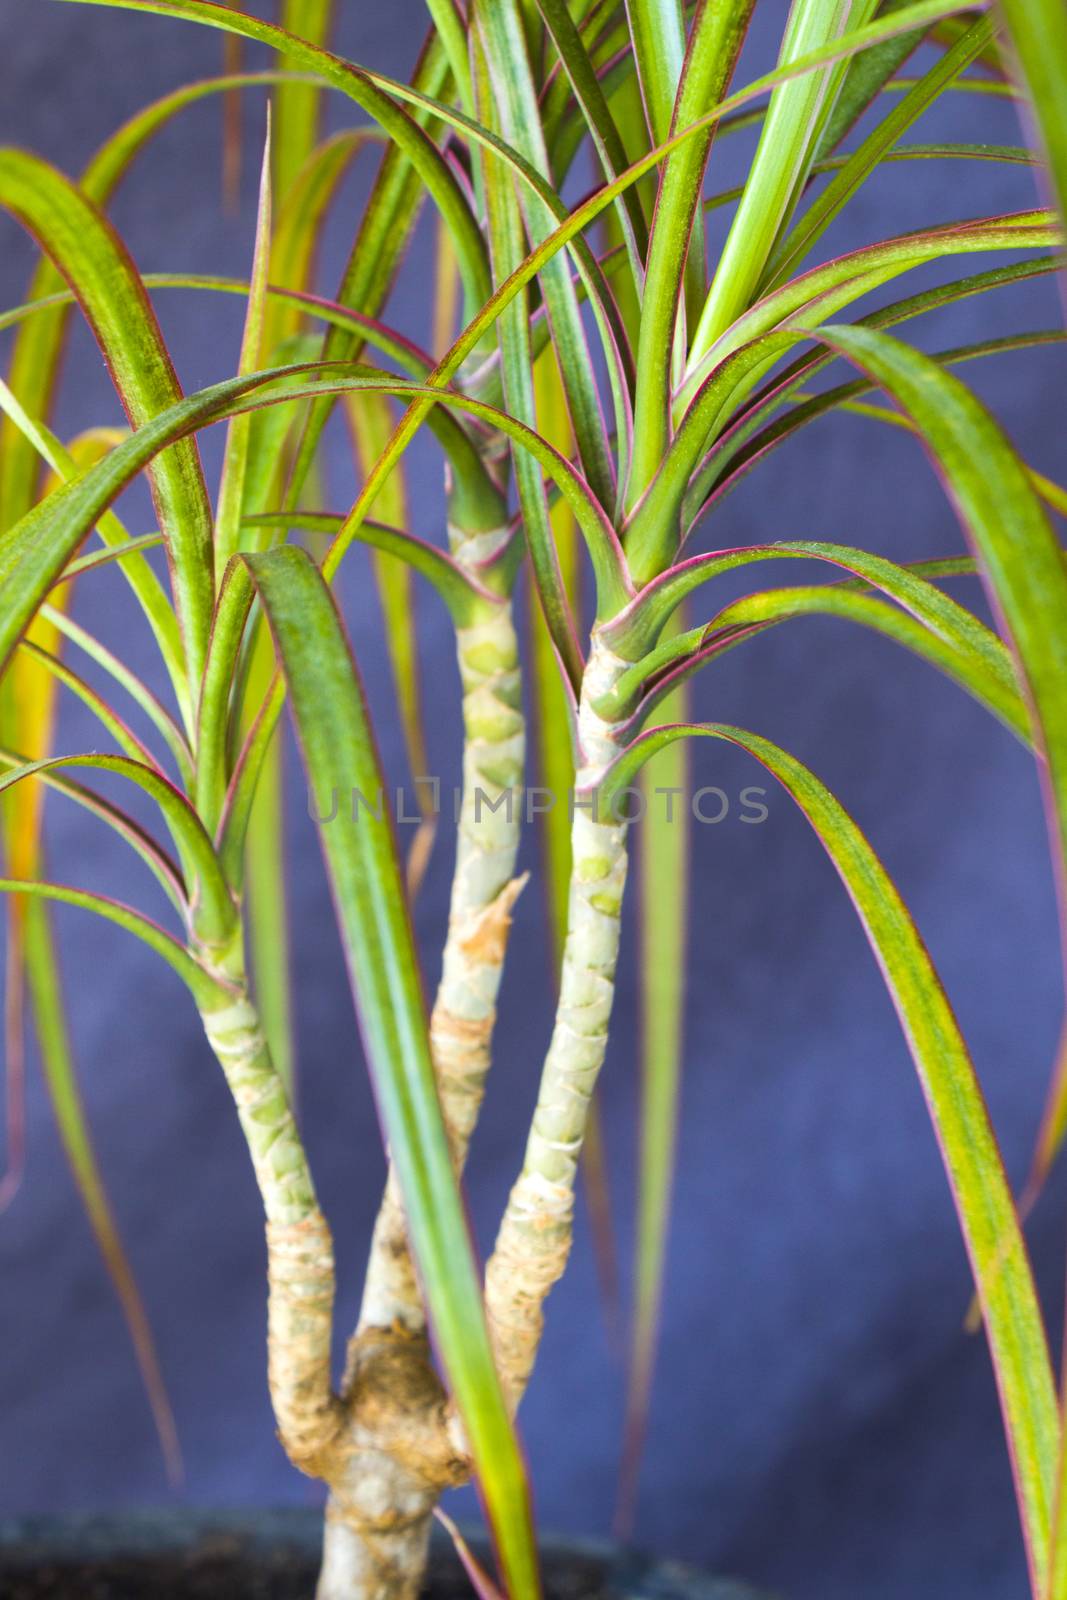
821 1422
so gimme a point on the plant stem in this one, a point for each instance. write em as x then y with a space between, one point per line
535 1232
484 890
383 1444
299 1248
401 1452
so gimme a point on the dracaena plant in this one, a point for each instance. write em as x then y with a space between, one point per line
601 379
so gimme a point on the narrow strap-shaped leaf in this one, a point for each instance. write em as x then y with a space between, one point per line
297 105
733 445
992 688
340 756
65 465
372 429
194 848
1022 563
88 252
866 76
425 158
506 247
968 1144
1018 552
606 137
718 34
919 14
103 558
36 551
201 985
537 193
268 913
1038 30
121 674
465 599
788 145
657 37
636 629
1052 494
35 358
238 434
515 104
385 228
832 285
299 221
867 158
450 25
759 339
123 735
57 1063
678 659
664 866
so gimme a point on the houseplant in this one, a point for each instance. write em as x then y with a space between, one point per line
495 117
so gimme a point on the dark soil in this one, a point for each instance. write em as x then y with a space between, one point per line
275 1557
218 1568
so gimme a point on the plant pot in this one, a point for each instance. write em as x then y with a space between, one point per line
182 1555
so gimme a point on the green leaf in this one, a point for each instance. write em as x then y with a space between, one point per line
90 255
758 340
1022 563
657 36
867 158
1018 552
463 597
57 1063
298 105
515 104
65 465
138 691
268 916
606 137
372 427
990 682
299 222
664 865
788 145
331 718
866 76
57 669
1038 31
35 359
968 1144
238 434
34 553
635 630
192 974
743 443
425 158
205 892
718 34
385 230
827 288
516 359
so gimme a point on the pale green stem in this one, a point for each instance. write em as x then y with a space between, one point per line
299 1248
383 1444
404 1453
484 890
535 1233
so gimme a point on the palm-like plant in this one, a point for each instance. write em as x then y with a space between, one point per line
625 392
